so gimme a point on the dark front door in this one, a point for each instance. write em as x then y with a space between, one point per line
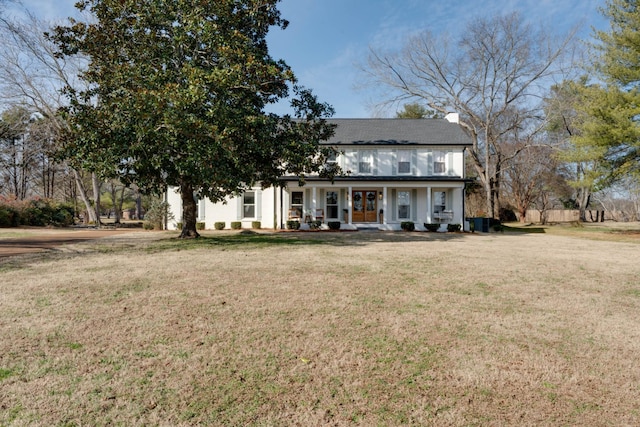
364 206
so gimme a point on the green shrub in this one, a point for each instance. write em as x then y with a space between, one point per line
7 216
35 212
236 225
334 225
292 224
256 225
219 225
315 225
179 225
199 225
148 225
63 215
432 227
453 227
407 225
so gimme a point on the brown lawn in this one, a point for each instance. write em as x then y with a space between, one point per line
323 329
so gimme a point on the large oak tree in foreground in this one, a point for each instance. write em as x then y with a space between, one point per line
179 89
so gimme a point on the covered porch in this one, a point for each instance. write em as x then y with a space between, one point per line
374 205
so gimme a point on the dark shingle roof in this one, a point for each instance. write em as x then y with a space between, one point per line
397 132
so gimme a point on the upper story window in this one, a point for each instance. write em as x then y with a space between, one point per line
365 161
332 158
331 162
404 162
439 162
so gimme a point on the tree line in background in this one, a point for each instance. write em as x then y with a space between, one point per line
548 131
181 102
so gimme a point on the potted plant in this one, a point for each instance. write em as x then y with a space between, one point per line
431 227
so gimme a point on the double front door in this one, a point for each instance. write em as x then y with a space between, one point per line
364 206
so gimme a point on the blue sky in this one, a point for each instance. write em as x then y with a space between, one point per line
326 39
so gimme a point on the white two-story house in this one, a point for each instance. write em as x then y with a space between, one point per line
395 170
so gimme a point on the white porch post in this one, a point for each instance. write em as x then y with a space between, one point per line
349 205
429 220
313 203
385 204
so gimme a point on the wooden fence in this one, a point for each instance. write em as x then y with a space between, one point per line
561 215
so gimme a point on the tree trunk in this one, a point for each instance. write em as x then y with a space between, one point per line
84 197
117 205
189 212
584 196
95 182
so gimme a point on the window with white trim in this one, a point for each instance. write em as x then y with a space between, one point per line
297 202
365 161
439 201
199 208
332 159
404 204
404 162
332 204
439 162
249 204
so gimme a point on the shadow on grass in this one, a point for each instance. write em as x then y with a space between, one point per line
524 229
288 239
220 240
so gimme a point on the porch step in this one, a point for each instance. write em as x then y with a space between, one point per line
367 227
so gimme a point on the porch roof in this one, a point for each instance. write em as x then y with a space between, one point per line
389 179
397 132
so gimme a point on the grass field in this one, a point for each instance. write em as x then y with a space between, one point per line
510 329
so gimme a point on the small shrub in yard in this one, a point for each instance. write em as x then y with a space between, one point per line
148 225
431 227
453 228
407 225
179 225
199 225
334 225
219 225
256 225
236 225
292 224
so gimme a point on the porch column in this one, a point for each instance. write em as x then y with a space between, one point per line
349 205
385 205
313 203
429 220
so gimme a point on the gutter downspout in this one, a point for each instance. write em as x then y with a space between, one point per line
281 207
464 188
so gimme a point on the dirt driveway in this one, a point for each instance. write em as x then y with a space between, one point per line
18 241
